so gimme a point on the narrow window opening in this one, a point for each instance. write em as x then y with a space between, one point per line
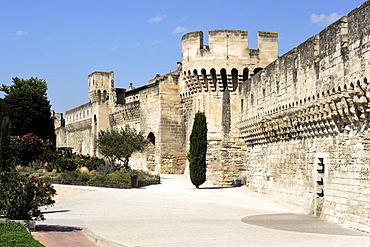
151 138
224 79
245 74
234 78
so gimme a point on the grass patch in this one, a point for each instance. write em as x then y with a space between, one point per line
15 234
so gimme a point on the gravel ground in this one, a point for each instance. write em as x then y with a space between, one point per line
64 192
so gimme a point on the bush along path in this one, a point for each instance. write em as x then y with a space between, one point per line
108 181
22 196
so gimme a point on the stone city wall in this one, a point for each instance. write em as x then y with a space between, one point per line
305 121
148 122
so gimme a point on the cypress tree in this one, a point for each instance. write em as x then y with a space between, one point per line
5 144
198 150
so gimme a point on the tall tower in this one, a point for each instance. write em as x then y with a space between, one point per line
100 86
210 75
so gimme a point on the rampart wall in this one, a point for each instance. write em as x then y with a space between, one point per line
297 130
155 110
305 121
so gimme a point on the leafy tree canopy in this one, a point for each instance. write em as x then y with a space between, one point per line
121 144
29 112
28 109
29 85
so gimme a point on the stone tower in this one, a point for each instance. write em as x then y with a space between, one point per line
100 85
210 75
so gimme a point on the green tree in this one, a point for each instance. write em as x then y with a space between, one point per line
121 144
5 144
29 85
26 105
2 105
198 150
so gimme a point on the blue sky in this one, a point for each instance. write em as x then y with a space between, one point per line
63 41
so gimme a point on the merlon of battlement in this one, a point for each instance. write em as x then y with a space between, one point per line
228 49
194 40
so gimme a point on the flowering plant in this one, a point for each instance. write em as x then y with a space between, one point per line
21 196
26 148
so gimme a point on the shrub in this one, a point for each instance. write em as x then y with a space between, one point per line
49 155
26 148
100 178
93 162
105 168
68 177
83 177
84 169
65 164
87 161
120 178
21 197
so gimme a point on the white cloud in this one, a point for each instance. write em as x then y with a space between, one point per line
324 20
158 18
19 34
180 30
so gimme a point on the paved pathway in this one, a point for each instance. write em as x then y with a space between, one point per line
63 236
174 213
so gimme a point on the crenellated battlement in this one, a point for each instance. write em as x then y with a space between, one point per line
226 61
228 45
294 127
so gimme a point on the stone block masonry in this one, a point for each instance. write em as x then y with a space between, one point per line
294 127
305 118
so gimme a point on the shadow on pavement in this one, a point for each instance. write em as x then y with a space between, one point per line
299 223
56 228
213 188
58 211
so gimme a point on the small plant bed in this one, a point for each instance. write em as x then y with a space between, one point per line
86 171
15 234
117 179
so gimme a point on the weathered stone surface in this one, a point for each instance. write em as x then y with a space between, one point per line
305 119
294 127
